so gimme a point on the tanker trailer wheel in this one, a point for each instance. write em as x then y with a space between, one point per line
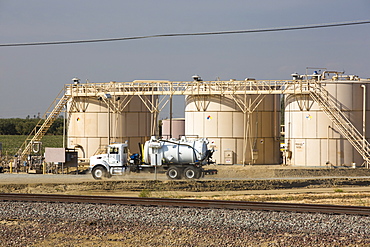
173 173
99 172
192 172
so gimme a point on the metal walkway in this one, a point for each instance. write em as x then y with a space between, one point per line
167 88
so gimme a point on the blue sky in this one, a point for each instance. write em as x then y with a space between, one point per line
31 77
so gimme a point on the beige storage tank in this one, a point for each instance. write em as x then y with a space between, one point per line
91 124
220 119
178 128
311 136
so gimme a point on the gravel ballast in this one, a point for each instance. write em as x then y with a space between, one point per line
66 224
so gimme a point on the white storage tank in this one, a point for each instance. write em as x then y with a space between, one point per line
175 151
91 123
310 135
236 140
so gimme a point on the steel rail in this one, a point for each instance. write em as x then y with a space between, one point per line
219 204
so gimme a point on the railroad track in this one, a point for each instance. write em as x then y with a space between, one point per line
221 204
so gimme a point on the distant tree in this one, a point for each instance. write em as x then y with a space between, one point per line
20 126
7 127
57 127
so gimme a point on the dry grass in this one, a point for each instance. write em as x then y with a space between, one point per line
342 198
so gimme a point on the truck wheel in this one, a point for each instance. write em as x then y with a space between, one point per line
173 173
192 173
99 172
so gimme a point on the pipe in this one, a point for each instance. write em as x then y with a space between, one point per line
64 128
170 116
364 121
109 124
82 150
327 146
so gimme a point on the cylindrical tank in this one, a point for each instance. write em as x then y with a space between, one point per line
92 123
311 136
176 151
178 128
238 137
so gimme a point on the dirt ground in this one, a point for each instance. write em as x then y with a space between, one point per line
251 183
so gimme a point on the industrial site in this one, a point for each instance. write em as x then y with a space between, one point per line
297 141
314 120
184 123
261 148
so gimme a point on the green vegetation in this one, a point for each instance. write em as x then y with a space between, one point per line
338 190
24 126
145 193
14 131
11 143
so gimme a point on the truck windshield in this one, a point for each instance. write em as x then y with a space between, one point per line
113 150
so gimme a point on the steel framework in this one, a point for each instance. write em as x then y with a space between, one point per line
150 90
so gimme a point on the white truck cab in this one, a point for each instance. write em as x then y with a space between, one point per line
113 162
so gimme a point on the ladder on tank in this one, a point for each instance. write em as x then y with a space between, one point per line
44 124
347 129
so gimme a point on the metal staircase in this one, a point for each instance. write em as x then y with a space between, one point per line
346 128
51 114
